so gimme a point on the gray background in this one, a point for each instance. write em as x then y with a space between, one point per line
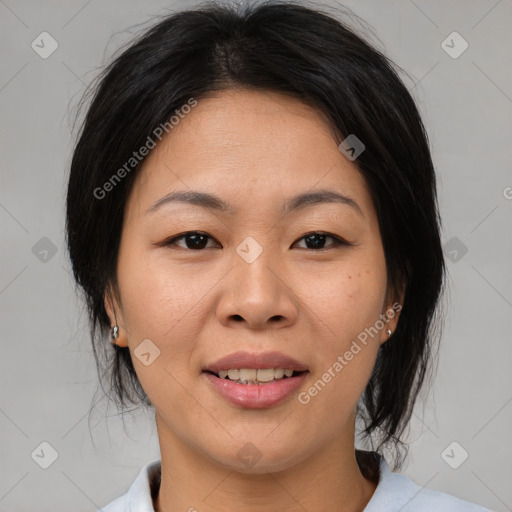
48 379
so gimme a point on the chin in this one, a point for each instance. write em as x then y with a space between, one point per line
255 458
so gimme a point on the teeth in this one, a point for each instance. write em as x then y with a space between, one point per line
246 374
233 374
254 376
265 375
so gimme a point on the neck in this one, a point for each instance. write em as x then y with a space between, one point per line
329 478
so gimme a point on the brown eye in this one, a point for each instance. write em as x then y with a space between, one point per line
317 241
193 240
197 241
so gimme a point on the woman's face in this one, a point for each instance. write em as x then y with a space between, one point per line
255 280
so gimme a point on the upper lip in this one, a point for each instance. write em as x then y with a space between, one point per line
262 360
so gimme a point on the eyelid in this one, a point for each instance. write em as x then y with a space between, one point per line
172 240
338 241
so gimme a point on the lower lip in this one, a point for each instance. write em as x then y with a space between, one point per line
256 396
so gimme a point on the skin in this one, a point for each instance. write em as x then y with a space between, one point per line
253 150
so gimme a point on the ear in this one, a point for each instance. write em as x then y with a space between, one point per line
391 314
114 312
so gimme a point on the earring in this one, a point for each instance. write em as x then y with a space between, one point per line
115 334
389 332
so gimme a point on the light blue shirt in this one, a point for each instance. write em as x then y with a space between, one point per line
394 493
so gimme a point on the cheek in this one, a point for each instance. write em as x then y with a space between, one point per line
346 300
345 356
347 307
162 304
159 297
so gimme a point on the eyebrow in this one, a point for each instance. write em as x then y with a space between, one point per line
215 203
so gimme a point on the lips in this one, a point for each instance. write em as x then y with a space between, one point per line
256 361
261 395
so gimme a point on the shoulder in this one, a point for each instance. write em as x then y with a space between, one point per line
139 496
118 505
396 492
440 501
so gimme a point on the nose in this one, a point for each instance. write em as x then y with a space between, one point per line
257 295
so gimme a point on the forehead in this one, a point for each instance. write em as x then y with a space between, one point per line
250 148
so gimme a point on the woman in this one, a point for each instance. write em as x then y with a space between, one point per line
252 215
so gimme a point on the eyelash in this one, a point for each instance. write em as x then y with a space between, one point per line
337 240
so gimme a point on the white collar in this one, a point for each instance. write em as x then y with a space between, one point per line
394 492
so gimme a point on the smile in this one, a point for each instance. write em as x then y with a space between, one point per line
256 376
251 393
